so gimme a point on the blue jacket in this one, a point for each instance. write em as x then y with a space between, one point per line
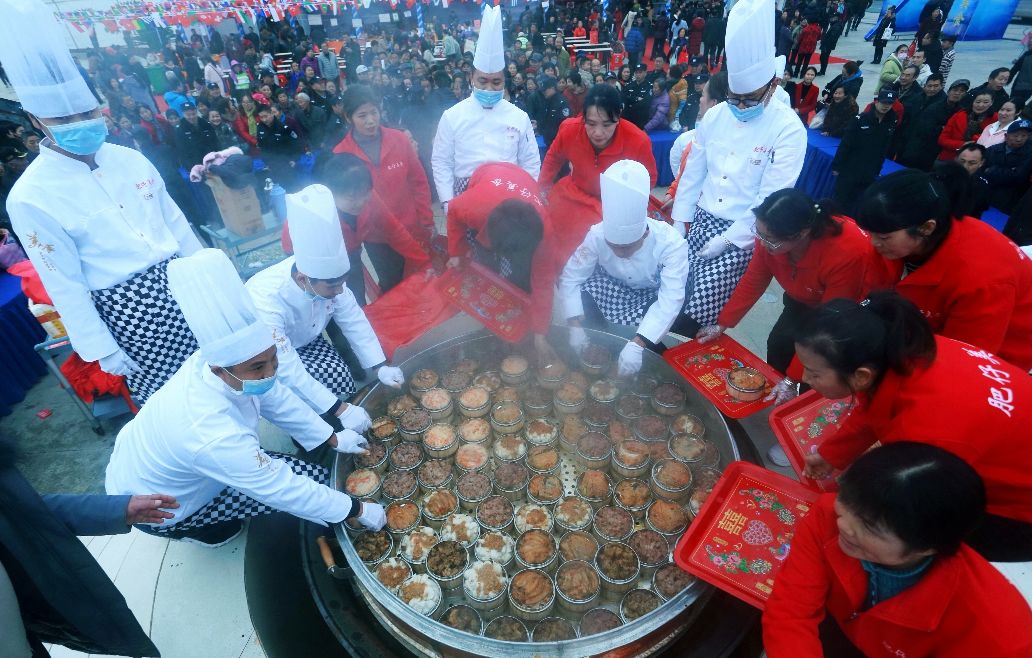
634 42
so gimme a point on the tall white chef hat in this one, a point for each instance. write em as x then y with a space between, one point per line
218 308
625 201
38 63
490 53
319 250
750 45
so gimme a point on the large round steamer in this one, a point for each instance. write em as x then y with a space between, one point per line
426 636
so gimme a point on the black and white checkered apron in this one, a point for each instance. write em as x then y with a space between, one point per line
711 280
325 364
488 257
232 504
619 302
148 325
459 185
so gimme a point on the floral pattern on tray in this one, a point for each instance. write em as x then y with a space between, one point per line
489 299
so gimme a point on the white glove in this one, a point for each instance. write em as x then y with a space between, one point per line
630 359
783 391
391 376
356 419
709 333
350 441
578 339
118 363
372 516
717 245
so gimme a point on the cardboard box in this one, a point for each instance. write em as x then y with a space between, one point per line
240 210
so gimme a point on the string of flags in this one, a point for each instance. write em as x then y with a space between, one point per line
134 15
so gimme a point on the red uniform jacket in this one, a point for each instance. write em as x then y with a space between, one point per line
833 266
961 608
576 201
375 224
968 401
489 185
399 179
976 287
952 136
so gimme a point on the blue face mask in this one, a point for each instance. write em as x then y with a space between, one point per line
312 296
747 114
82 137
255 386
486 97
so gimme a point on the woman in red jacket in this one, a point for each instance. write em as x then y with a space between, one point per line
805 95
971 282
501 222
398 175
366 222
966 126
881 568
808 38
814 256
589 143
696 27
911 385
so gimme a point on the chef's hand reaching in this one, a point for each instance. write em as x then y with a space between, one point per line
355 418
118 363
578 339
149 509
817 467
717 245
709 333
350 441
391 376
372 516
629 362
783 391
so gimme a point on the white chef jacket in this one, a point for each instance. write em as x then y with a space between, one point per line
662 262
89 230
296 321
781 95
677 150
733 166
196 436
470 135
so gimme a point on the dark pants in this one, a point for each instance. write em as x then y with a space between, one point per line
388 264
834 640
855 20
712 54
999 539
825 57
593 319
781 341
633 59
847 191
1021 96
879 46
800 64
657 47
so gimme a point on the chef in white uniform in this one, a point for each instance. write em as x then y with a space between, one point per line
484 127
197 437
298 297
743 150
630 269
95 218
780 64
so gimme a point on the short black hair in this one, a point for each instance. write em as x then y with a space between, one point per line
355 96
908 198
345 173
788 212
911 67
928 497
936 76
998 71
574 77
717 87
607 99
952 38
515 230
850 67
972 146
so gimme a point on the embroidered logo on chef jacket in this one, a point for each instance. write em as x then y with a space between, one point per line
145 188
262 459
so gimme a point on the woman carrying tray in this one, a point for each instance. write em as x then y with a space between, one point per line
912 385
881 570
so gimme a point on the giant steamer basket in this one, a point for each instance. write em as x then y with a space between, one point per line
424 635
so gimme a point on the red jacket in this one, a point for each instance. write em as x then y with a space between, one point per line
976 287
489 185
805 103
377 224
833 266
399 179
808 38
962 607
968 401
240 126
952 136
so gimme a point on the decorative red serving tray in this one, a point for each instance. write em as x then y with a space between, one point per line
494 302
802 424
706 367
744 531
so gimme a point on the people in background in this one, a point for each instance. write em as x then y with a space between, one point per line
804 94
1008 166
996 131
998 79
966 126
861 154
840 112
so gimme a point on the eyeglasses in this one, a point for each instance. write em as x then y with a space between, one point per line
767 243
743 101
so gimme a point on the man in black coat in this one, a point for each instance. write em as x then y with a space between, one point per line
1008 166
280 148
195 138
51 588
861 154
829 41
923 120
637 97
351 53
553 112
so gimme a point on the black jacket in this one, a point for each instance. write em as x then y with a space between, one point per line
637 97
830 37
919 147
1007 171
64 595
278 141
861 154
554 111
194 142
313 122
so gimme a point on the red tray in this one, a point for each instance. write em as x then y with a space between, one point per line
494 302
744 530
706 367
802 424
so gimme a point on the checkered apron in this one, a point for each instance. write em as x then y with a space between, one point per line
459 185
711 280
487 257
148 325
325 364
618 302
232 504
